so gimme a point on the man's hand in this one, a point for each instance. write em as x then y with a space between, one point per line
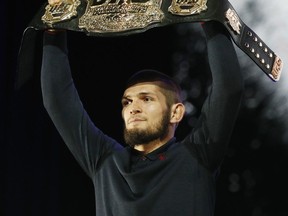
57 2
54 2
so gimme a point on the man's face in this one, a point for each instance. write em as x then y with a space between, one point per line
145 113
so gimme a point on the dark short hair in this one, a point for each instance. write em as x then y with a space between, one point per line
167 83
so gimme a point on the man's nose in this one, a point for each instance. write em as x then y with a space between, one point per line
135 109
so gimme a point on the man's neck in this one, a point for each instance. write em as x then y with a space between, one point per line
150 147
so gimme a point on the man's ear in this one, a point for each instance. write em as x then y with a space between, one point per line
177 112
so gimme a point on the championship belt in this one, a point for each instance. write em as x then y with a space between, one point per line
125 17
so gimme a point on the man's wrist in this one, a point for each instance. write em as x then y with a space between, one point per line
56 37
54 31
212 28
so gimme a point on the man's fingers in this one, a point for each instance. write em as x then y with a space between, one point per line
54 2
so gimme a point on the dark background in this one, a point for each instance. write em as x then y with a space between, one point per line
39 175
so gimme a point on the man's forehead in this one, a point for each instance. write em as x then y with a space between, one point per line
143 88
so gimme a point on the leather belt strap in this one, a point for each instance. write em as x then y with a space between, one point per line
124 17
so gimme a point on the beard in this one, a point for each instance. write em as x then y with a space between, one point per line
134 137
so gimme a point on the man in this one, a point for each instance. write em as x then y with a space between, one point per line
155 174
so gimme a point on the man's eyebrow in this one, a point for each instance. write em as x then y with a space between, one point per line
124 97
139 94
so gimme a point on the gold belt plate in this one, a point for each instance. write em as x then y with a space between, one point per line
187 7
60 12
120 16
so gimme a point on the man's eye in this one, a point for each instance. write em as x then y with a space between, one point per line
125 102
147 99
